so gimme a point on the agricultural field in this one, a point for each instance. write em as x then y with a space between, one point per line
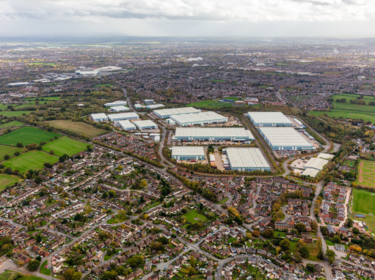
78 127
65 145
11 124
8 180
27 135
6 150
364 203
194 217
14 113
348 110
366 174
30 160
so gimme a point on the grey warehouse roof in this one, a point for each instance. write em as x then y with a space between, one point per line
269 117
212 132
145 123
99 116
284 136
246 158
126 124
123 115
187 151
177 111
198 118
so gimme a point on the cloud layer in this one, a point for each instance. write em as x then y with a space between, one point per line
206 10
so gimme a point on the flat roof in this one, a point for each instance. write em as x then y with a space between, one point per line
115 103
269 117
246 158
316 163
120 108
284 136
213 131
126 124
187 151
144 123
200 117
177 111
99 116
123 115
310 172
326 156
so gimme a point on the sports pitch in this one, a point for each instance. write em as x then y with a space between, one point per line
65 145
27 135
194 217
30 160
366 173
364 203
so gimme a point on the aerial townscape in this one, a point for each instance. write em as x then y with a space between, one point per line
157 159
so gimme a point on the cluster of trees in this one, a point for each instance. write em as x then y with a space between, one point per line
6 246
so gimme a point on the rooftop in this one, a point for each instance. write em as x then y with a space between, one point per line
246 157
177 111
284 136
145 123
213 131
200 117
187 151
316 163
269 117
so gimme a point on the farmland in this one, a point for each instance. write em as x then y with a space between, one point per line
11 124
366 176
30 160
7 180
27 135
6 150
14 113
65 145
78 127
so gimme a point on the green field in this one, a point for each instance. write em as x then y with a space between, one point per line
41 99
366 174
10 124
209 103
44 270
6 150
27 135
8 180
9 275
348 110
30 160
104 85
78 127
194 217
65 145
14 113
217 81
364 203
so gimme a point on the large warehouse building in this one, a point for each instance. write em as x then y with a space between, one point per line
285 138
127 125
147 124
313 166
115 103
188 153
199 119
247 159
119 109
236 134
166 113
122 117
100 117
260 119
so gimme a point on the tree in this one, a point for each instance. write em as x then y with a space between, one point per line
143 184
285 244
336 239
304 251
256 233
310 267
33 265
355 248
192 261
300 227
6 157
320 254
268 233
331 256
355 230
38 238
135 260
297 257
349 223
38 258
71 274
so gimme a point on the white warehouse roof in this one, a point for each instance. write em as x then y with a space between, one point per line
246 158
187 151
127 125
99 116
310 172
145 124
198 118
116 103
164 113
213 131
119 108
269 117
316 163
284 136
326 156
123 116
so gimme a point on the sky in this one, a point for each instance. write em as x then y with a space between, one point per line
253 18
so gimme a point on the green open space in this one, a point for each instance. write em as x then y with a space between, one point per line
217 81
41 99
11 275
280 234
350 163
14 113
104 85
11 124
65 145
209 103
8 180
223 201
27 135
79 127
7 150
30 160
366 174
44 63
45 270
364 203
194 217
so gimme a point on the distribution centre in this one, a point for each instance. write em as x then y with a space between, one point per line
246 159
199 119
260 119
119 109
126 125
122 116
285 138
238 134
188 153
116 103
100 117
166 113
147 124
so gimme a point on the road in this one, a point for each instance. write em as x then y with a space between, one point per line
128 99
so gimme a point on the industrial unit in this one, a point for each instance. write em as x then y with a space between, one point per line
119 109
285 138
148 101
100 117
127 125
238 134
313 166
247 159
166 113
199 119
188 153
147 124
122 116
260 119
116 103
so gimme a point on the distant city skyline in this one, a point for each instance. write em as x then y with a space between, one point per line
307 18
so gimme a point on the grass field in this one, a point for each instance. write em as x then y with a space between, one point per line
364 203
349 163
27 135
8 180
41 99
194 217
30 160
65 145
10 124
14 113
213 103
350 111
9 274
366 174
6 150
78 127
44 270
217 81
104 85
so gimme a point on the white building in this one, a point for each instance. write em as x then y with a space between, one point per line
247 159
236 134
188 153
110 68
116 103
127 125
199 119
146 124
119 109
166 113
314 166
260 119
123 116
87 73
100 117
